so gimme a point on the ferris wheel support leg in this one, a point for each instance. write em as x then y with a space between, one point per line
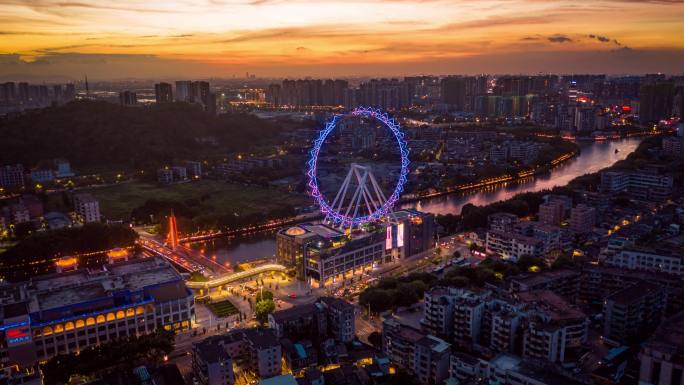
342 192
362 183
355 197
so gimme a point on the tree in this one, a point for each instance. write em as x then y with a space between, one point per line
264 295
525 262
563 261
378 299
197 276
263 309
375 339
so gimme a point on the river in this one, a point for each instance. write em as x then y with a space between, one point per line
594 156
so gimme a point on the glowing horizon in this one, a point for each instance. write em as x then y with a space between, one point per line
133 38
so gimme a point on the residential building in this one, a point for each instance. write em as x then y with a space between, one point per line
211 363
510 369
327 317
184 91
163 92
647 184
648 259
62 168
194 169
438 312
165 175
564 282
498 153
68 312
468 310
551 213
504 222
501 326
512 246
633 312
340 318
180 173
307 321
420 354
128 98
554 327
674 146
42 175
87 207
662 356
19 213
256 350
264 355
464 367
525 152
431 360
12 176
582 218
549 235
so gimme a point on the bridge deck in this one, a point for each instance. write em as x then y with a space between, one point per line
229 278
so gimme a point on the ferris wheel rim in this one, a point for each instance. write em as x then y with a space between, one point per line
334 215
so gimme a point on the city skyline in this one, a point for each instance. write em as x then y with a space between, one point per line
55 39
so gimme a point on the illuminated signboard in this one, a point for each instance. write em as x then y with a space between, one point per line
18 335
388 238
400 235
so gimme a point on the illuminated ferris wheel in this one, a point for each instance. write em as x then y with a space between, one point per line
360 199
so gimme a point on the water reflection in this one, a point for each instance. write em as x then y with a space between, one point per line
240 249
594 157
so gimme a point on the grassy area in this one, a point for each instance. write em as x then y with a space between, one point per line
223 308
209 196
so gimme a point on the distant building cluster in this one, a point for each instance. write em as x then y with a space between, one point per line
237 166
28 210
22 95
197 92
16 176
576 104
180 173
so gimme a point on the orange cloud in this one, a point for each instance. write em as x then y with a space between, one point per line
282 37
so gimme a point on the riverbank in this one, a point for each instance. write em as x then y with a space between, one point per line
593 157
527 203
487 182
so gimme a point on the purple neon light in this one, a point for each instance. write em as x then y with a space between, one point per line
329 212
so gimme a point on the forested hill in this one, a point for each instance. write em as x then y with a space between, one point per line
99 133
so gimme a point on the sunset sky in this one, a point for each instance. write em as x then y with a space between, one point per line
140 39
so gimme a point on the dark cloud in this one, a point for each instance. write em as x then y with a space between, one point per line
559 39
605 39
530 38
